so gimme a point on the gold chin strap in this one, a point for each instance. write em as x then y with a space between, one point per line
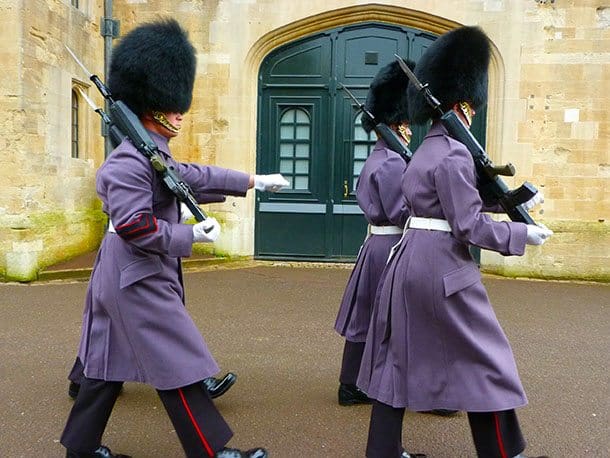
161 119
466 110
404 133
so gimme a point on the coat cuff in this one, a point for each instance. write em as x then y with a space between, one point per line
181 244
517 239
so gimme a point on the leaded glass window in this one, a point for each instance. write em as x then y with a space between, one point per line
75 126
295 147
363 145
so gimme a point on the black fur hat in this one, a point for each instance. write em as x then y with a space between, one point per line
387 96
455 66
153 68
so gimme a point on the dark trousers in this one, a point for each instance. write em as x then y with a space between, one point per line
385 431
89 415
350 365
495 434
78 372
199 425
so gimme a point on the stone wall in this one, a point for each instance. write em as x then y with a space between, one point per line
549 87
556 130
48 208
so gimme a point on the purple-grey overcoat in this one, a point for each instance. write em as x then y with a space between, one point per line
434 340
135 324
379 195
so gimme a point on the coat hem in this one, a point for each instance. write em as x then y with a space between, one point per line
157 386
449 405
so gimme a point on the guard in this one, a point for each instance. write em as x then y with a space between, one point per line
135 325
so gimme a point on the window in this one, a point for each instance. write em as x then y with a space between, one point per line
295 147
363 145
74 123
74 3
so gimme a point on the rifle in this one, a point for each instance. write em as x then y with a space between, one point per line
491 187
383 130
122 123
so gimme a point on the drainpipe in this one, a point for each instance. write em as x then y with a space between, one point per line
109 30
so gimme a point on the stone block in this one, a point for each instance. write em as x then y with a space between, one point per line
580 16
585 130
22 266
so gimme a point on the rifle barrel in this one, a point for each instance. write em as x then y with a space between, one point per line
87 72
405 68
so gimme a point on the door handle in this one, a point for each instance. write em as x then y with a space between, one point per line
345 189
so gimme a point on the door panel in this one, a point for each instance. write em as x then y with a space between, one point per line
295 147
361 52
353 147
293 139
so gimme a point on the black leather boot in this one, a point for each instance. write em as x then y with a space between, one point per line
350 394
524 456
101 452
217 387
73 389
236 453
406 454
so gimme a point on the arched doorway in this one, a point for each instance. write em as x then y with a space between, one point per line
309 130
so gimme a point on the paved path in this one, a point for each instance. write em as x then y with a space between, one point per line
272 325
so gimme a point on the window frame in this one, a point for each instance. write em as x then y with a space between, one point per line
75 123
294 141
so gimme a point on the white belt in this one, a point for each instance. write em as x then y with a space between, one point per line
385 230
111 227
415 222
429 224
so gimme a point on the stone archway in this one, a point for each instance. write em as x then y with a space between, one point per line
384 14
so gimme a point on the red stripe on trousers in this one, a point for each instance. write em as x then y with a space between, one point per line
205 443
499 437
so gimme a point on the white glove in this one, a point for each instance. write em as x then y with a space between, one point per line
537 199
272 183
185 213
537 234
207 230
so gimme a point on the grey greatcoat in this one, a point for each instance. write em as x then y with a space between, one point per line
135 325
435 342
379 195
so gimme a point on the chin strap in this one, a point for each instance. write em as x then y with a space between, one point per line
405 132
466 110
162 119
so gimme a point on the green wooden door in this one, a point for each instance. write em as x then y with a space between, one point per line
310 131
294 137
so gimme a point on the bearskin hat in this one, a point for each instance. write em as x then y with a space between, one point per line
387 96
153 68
455 67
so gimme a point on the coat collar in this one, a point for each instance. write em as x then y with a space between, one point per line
380 144
161 141
437 129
